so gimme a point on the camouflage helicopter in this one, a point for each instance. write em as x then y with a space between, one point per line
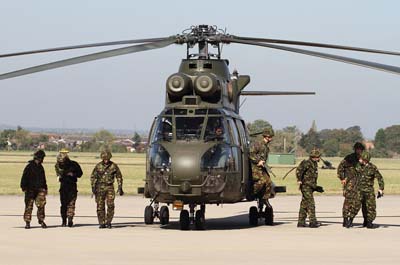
198 150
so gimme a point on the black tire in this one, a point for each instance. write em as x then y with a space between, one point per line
148 215
253 216
184 220
269 216
164 215
200 220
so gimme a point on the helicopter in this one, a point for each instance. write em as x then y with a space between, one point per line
198 152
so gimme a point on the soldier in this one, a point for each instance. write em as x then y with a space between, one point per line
262 184
307 175
349 175
102 181
369 172
33 183
68 172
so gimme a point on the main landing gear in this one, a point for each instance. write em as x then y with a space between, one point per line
256 213
186 218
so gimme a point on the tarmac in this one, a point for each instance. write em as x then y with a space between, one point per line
228 238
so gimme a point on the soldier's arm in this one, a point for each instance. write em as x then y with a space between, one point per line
57 170
300 171
379 177
118 175
93 177
24 178
341 170
44 179
77 170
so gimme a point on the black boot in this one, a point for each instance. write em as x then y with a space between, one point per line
108 225
70 223
43 224
345 220
64 222
349 222
27 225
301 225
365 223
102 226
315 224
371 225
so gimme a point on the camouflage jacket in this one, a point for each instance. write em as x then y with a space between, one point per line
259 152
307 173
68 171
103 174
368 174
349 169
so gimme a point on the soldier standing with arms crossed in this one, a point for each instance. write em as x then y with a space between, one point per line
102 181
33 183
68 172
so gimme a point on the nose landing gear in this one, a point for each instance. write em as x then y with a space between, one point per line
186 219
258 213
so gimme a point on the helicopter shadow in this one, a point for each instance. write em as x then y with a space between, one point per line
236 222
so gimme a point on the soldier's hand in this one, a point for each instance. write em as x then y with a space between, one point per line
120 191
70 174
261 163
380 194
93 190
23 189
343 181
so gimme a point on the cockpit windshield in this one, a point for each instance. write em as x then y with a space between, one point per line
216 130
163 129
189 128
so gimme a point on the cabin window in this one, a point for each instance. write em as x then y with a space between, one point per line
163 130
234 132
189 128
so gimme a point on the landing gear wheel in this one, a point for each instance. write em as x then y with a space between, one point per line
148 215
269 216
253 216
164 215
184 220
200 220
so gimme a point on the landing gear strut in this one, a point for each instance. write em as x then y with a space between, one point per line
256 213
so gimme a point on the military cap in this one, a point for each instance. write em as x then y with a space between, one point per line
315 153
105 155
268 132
64 150
358 145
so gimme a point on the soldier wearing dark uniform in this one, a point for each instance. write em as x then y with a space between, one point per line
369 172
68 172
102 181
33 183
307 175
349 175
262 184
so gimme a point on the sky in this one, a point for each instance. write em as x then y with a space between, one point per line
127 92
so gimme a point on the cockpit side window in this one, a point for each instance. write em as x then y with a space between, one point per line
163 129
189 128
216 130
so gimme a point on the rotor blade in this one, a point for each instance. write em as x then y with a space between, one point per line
273 93
373 65
100 44
89 57
320 45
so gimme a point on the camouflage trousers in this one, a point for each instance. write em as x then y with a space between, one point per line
37 197
307 205
105 195
351 204
68 195
368 204
262 184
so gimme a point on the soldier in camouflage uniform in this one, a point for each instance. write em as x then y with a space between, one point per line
369 172
349 174
262 184
307 174
68 172
33 183
102 180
